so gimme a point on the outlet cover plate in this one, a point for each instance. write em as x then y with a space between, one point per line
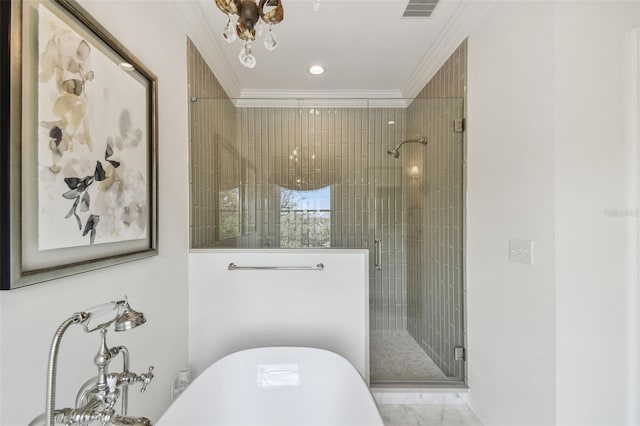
521 251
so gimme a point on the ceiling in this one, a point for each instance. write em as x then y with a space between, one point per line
367 48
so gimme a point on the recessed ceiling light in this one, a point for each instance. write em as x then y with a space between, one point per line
127 66
316 69
391 122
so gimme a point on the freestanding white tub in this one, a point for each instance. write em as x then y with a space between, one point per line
276 386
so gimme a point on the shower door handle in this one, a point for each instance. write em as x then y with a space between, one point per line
377 253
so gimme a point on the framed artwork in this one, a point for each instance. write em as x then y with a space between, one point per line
78 148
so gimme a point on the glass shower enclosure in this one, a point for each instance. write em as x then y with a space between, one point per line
326 173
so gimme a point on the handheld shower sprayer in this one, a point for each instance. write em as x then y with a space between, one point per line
395 152
125 318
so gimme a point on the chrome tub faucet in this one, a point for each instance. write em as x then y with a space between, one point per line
97 398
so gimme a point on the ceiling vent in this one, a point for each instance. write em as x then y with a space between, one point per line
420 8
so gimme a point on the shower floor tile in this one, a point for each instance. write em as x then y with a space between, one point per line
396 356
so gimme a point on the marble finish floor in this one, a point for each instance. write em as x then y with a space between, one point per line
426 414
396 356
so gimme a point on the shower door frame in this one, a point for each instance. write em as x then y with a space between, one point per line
460 381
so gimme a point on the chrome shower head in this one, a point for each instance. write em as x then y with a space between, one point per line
395 152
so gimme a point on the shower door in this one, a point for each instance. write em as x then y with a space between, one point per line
417 292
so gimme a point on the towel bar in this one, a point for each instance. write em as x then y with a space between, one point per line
233 267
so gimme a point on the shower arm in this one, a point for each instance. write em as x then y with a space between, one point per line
422 140
395 152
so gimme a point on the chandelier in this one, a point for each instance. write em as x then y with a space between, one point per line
250 18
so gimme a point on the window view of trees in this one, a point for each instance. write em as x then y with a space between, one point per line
229 213
305 218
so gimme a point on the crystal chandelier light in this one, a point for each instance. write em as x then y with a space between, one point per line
250 18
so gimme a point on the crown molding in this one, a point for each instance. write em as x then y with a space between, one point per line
195 17
459 27
322 98
320 94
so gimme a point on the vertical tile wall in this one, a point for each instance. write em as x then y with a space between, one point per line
212 132
433 183
309 148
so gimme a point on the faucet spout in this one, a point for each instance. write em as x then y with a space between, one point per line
130 421
86 414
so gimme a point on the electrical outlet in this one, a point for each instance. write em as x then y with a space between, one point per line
180 382
521 251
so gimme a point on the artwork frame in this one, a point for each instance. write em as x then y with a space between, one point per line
126 228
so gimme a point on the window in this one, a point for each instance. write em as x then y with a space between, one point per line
229 213
305 218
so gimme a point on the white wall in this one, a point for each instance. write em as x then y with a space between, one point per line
236 310
548 155
593 163
156 286
510 195
634 115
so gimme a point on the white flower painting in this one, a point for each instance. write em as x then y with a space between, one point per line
93 156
